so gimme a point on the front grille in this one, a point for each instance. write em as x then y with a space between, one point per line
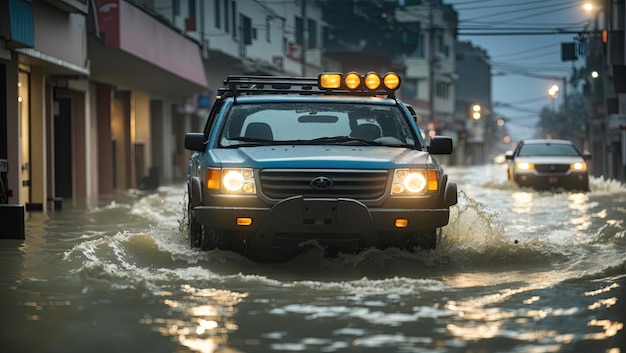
357 184
552 168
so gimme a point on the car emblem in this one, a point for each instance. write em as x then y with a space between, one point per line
552 167
322 183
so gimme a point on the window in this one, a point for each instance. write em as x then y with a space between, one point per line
442 90
176 7
268 25
226 17
217 12
319 123
299 31
192 9
312 32
443 49
419 47
248 32
548 149
234 18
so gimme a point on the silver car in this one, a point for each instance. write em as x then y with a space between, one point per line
548 164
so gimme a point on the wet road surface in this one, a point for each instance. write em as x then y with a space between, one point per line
515 271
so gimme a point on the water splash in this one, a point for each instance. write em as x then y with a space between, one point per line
475 238
604 185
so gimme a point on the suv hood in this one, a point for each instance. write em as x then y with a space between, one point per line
321 156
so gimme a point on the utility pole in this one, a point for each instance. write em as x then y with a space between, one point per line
431 64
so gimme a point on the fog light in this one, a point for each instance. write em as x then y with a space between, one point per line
244 221
402 222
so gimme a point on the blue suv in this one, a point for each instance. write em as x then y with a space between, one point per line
337 161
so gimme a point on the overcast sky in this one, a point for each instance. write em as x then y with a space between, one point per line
512 55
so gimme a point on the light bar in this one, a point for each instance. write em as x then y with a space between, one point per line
352 81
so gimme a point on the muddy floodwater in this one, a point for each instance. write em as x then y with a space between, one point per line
515 271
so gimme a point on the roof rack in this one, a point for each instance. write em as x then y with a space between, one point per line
241 84
236 85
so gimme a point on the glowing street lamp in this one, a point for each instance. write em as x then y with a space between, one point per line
588 6
554 91
476 111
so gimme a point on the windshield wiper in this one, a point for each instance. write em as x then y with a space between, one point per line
342 140
249 139
249 142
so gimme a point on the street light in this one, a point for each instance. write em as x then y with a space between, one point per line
588 6
476 111
594 10
554 92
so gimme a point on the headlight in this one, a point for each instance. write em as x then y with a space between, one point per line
524 165
414 181
578 166
231 180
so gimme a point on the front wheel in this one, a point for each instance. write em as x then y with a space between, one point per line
428 239
425 240
194 229
213 238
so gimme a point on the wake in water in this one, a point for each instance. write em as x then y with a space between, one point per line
475 239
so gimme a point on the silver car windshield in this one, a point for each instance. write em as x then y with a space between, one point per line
547 149
315 123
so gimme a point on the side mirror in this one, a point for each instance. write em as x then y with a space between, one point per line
586 155
440 145
194 141
508 155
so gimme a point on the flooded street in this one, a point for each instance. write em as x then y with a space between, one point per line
515 271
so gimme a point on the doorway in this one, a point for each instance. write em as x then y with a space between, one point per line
23 112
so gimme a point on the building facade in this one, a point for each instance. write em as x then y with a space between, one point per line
474 109
93 90
430 77
99 94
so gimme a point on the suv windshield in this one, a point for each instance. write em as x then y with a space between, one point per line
548 149
314 123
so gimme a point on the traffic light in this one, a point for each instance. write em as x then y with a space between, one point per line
476 111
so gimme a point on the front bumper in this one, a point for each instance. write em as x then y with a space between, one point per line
572 180
339 220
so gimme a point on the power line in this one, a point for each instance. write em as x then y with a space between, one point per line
554 31
491 24
499 4
526 51
561 7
